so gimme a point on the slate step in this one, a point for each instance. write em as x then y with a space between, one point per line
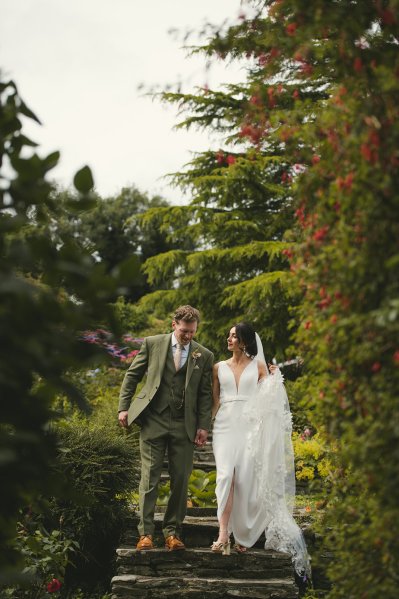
197 531
200 529
176 587
207 466
256 564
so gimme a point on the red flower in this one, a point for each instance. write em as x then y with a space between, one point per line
396 357
374 138
333 319
272 101
324 303
53 586
307 68
255 100
231 159
315 159
366 152
307 324
320 233
220 157
291 28
295 94
376 367
345 183
357 64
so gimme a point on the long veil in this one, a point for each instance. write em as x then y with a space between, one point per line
270 444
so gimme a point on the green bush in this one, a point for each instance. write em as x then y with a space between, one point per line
100 468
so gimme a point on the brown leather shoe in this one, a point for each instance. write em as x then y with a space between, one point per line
172 543
145 542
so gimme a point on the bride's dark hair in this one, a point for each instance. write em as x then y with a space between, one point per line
246 335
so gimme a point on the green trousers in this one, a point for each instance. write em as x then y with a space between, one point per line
161 433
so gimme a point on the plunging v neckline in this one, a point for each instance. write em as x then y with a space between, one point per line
232 372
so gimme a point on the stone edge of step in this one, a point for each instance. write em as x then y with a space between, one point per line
129 551
159 580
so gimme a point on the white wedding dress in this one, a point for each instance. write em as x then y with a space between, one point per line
252 446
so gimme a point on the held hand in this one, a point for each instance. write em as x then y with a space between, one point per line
201 437
122 417
273 368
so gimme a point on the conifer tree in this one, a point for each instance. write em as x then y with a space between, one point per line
240 211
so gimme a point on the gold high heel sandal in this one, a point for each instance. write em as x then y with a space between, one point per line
221 547
239 548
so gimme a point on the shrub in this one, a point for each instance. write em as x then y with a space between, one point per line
311 457
100 467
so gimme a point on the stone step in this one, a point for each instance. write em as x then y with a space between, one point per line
197 531
200 529
174 587
203 563
207 466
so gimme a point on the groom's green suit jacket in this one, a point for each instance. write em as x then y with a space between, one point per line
198 386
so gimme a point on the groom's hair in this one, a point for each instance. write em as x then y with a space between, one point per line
246 335
187 313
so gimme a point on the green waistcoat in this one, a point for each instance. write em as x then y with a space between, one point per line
171 390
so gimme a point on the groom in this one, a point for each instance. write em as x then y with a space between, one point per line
173 410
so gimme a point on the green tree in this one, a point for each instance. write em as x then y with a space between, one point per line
240 210
50 290
111 230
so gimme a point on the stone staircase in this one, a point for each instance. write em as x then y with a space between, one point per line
197 572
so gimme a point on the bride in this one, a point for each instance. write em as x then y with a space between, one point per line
255 484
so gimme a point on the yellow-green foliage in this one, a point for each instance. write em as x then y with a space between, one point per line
311 459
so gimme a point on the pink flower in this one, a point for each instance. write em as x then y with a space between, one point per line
53 586
231 159
376 367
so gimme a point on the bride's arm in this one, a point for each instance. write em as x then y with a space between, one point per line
215 390
262 371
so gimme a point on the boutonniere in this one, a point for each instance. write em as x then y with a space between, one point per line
195 355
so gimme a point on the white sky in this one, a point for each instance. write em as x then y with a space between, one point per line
78 64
